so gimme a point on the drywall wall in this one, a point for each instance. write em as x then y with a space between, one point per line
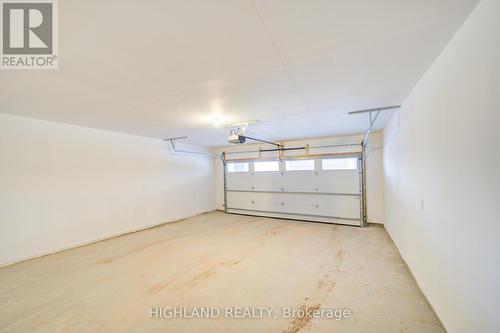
374 171
442 188
64 185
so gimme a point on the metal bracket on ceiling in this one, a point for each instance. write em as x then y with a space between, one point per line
183 151
373 115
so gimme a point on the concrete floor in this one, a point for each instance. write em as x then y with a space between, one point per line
220 261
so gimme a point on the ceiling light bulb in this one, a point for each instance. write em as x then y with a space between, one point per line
217 120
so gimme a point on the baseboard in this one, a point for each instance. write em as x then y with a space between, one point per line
100 240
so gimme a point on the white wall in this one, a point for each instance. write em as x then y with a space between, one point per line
443 149
63 185
374 170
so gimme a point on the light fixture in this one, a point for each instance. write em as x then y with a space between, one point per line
217 120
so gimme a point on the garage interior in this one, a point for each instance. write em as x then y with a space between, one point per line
253 166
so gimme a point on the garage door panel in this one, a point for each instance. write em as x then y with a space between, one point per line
267 181
316 195
254 201
239 180
320 205
311 204
300 181
300 217
340 206
338 181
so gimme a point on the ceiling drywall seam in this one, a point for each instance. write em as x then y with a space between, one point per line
278 54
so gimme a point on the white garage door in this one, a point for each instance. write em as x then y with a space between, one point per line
323 190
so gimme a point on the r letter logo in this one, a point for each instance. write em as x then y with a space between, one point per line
29 34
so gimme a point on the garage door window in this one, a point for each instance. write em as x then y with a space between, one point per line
237 167
339 164
266 166
299 165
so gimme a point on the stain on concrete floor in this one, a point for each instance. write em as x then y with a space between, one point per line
221 261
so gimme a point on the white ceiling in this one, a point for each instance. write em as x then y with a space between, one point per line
165 68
